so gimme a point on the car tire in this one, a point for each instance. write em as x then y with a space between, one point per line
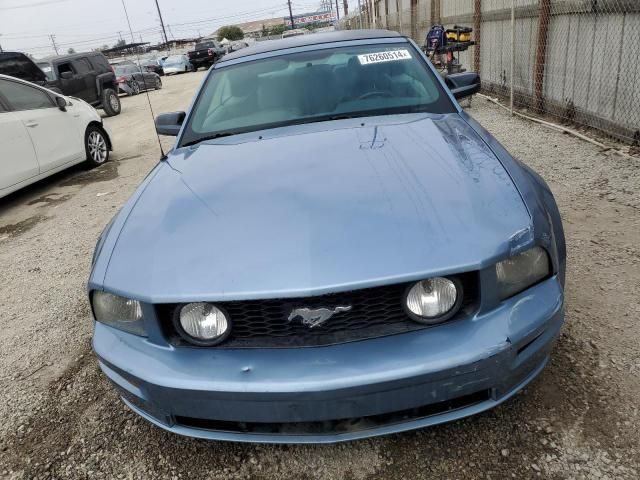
111 102
158 83
135 88
96 146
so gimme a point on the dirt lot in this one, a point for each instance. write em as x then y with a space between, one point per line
61 419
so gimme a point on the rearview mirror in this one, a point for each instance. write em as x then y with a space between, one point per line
61 102
169 123
66 75
463 84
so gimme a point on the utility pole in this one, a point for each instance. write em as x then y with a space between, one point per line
345 4
53 42
338 10
128 22
290 14
164 32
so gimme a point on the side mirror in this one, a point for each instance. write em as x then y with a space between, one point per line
61 102
66 75
170 123
463 84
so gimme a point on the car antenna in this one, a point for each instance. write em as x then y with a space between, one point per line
146 90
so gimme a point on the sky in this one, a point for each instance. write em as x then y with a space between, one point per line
25 25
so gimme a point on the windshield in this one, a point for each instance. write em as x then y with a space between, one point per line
126 69
48 70
203 45
317 85
173 61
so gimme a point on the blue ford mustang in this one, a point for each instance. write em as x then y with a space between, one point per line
332 250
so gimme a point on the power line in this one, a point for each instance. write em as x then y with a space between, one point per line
184 26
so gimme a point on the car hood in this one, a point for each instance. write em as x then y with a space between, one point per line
18 65
317 208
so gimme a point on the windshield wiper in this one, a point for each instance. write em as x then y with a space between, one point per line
210 137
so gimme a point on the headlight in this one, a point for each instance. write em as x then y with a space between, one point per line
434 300
518 273
203 324
118 312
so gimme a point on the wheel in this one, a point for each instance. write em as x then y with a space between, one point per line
95 144
135 87
158 83
110 102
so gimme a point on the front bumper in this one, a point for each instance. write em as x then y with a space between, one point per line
341 392
125 88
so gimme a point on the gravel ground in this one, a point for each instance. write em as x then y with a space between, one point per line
61 419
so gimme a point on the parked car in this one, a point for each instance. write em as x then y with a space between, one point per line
132 79
83 75
297 32
235 46
332 250
118 62
206 53
152 65
177 64
43 132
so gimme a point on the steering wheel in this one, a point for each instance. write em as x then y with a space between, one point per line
377 93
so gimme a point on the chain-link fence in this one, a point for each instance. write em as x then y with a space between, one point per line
575 60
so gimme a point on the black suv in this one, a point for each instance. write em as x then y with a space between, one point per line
83 75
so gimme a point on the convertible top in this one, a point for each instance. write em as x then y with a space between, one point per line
311 39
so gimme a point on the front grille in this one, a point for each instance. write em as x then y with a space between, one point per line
336 427
375 312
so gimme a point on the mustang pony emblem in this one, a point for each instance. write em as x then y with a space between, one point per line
314 317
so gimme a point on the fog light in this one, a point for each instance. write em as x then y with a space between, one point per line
203 324
434 300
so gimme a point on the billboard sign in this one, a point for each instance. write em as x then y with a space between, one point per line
309 18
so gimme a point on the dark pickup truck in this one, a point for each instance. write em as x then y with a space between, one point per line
205 54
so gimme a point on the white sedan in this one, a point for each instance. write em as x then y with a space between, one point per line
177 64
43 132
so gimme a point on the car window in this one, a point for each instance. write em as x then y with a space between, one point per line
82 65
316 85
24 97
64 67
48 71
203 45
100 62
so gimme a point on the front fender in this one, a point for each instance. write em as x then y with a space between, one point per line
537 197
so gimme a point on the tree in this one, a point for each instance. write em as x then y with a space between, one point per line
276 30
120 43
71 51
230 32
265 31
